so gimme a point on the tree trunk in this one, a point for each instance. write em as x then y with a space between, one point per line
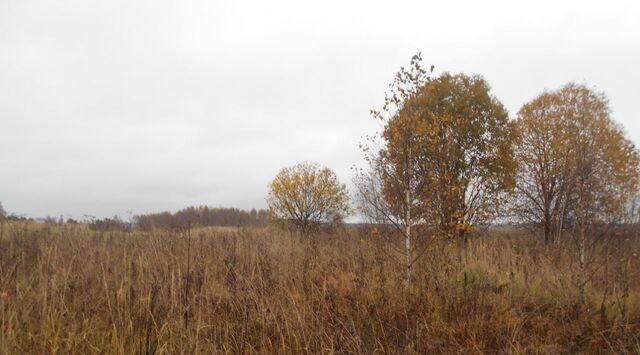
583 265
407 236
547 229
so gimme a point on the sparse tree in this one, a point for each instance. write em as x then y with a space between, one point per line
444 161
389 191
577 168
542 152
464 151
3 213
575 163
306 196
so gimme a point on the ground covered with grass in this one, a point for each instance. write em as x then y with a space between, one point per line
67 289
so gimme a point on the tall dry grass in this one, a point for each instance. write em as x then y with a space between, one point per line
66 289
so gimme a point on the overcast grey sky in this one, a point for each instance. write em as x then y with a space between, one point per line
120 105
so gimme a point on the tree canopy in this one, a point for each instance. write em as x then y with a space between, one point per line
448 142
575 164
306 196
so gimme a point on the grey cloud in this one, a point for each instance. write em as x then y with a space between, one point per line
114 106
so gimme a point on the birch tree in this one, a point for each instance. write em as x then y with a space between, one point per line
577 171
389 190
306 196
465 152
442 163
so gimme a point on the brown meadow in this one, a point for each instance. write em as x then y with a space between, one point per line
67 289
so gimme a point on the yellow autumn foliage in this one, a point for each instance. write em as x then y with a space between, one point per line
306 196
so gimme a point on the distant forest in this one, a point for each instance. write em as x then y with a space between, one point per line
202 216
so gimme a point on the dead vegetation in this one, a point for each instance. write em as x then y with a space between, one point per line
67 289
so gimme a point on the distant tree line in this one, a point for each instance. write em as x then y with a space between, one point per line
202 216
105 224
195 215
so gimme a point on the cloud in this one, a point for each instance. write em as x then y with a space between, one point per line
142 106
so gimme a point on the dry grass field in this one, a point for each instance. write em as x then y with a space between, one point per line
66 289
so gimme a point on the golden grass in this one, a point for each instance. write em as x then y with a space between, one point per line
66 289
